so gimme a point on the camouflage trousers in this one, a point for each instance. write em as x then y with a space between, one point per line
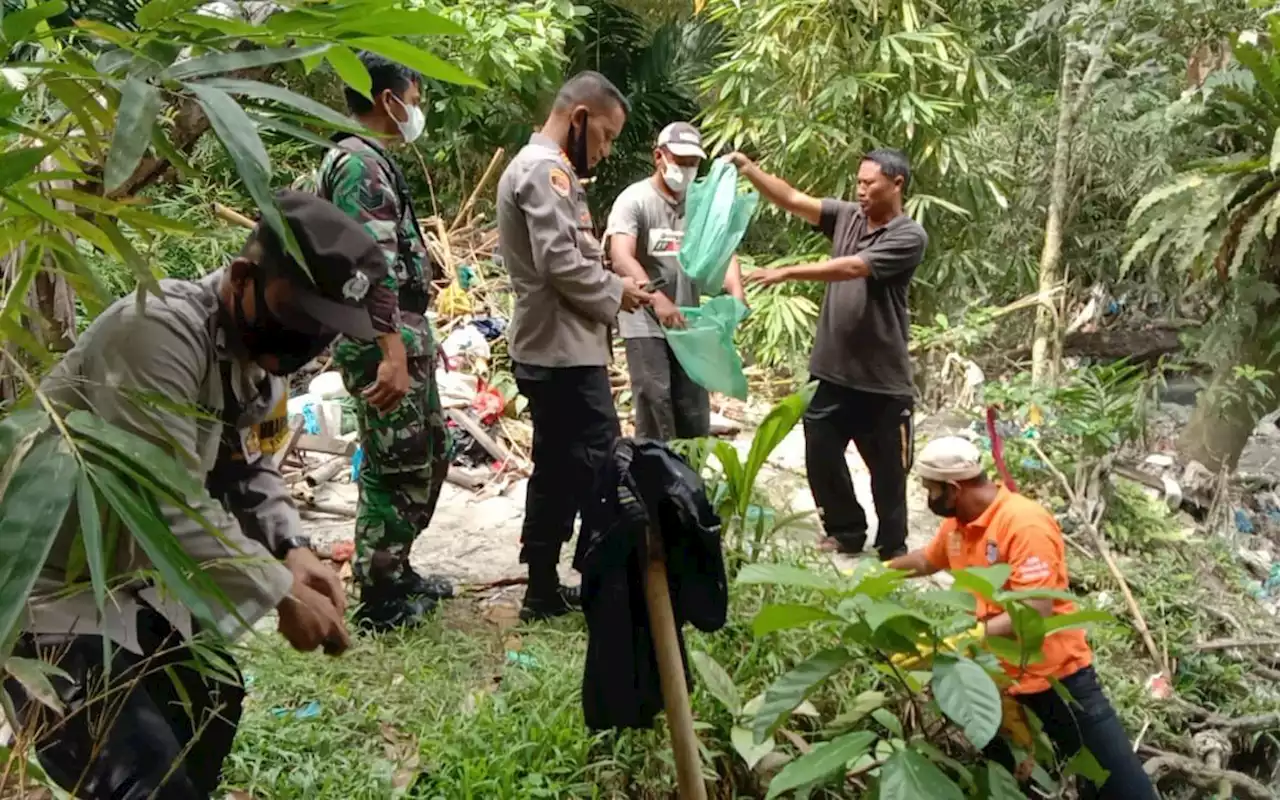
404 464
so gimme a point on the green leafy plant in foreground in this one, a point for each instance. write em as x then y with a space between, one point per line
919 732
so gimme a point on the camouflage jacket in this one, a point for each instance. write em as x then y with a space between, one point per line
360 178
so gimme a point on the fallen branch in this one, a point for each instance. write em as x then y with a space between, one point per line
231 215
1100 543
472 426
484 179
1203 776
1228 644
1248 724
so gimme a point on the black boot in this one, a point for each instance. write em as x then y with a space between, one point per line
546 597
435 587
385 607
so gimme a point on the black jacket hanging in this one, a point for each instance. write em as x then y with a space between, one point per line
642 482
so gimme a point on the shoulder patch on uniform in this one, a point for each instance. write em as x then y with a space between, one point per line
559 180
356 287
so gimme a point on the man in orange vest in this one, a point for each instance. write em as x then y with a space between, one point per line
985 524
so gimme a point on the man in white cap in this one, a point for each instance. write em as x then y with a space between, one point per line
645 231
985 524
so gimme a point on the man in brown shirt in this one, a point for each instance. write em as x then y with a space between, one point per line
865 391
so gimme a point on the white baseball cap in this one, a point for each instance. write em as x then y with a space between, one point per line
949 458
681 139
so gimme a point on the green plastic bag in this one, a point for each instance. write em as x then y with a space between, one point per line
716 217
705 348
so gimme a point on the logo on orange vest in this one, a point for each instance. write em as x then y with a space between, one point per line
993 552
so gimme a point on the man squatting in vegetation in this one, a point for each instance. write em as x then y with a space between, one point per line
645 231
565 301
398 412
161 722
985 524
860 359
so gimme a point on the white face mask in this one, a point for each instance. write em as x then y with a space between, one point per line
411 129
678 178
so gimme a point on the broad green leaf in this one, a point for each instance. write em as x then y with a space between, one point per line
399 23
17 432
951 598
1001 785
90 518
34 675
782 617
240 138
982 581
821 763
18 25
1004 648
219 63
907 775
19 163
34 503
277 94
889 721
1035 594
190 584
966 694
878 612
349 67
302 134
773 429
792 688
863 705
717 681
1084 764
1076 619
784 575
159 11
745 745
431 66
140 102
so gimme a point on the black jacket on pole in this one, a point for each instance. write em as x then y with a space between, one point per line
642 483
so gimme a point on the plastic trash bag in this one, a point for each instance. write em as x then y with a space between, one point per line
716 217
705 348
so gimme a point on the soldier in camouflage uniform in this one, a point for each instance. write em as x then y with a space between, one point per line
402 430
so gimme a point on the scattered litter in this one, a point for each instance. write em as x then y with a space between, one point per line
343 551
518 659
1158 687
309 711
490 327
466 343
356 460
1244 523
327 386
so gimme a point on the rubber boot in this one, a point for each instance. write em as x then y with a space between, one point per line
546 597
386 606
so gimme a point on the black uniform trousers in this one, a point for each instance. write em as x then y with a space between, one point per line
1090 722
880 425
574 427
131 735
668 404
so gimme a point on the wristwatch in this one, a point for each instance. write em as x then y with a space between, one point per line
291 543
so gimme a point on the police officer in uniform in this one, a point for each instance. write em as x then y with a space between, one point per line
216 351
559 334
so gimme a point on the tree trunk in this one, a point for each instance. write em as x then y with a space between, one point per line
1224 418
1073 96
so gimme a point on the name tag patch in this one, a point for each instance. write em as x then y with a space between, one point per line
665 242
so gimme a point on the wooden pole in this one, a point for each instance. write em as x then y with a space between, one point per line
232 216
675 691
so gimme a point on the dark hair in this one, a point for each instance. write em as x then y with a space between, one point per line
385 74
590 88
893 163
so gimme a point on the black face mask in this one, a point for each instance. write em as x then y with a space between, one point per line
944 505
292 349
578 148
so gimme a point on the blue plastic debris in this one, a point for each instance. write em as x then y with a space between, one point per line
310 711
1243 523
310 422
519 659
356 458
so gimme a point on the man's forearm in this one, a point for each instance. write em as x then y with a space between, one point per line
771 187
628 267
733 279
845 268
914 563
392 347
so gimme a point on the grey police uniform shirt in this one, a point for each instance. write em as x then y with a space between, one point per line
565 300
657 221
173 347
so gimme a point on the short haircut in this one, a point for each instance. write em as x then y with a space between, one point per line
893 163
590 88
384 74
